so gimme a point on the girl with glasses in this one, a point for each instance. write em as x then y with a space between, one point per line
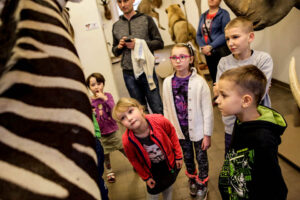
187 104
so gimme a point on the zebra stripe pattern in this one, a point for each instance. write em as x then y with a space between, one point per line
46 132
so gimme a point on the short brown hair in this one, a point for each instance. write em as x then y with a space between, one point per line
249 78
99 78
122 106
240 22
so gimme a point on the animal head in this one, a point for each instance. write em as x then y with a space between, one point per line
175 10
262 13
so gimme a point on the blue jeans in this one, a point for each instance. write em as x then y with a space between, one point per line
100 157
139 90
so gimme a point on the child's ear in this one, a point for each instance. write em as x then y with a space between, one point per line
251 37
247 101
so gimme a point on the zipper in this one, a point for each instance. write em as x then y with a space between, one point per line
129 29
167 160
139 150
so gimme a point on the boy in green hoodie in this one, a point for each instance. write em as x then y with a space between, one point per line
251 169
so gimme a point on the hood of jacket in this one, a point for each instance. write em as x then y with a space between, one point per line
265 131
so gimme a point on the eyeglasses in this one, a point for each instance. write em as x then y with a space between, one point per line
181 58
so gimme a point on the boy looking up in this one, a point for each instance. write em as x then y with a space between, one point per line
251 169
239 35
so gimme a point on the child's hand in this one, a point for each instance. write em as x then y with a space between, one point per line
216 90
151 183
206 50
100 95
179 163
205 143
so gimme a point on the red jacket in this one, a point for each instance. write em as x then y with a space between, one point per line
163 134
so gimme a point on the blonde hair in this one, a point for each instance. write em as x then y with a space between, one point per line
240 22
249 78
122 106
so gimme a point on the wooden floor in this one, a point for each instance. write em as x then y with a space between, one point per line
129 185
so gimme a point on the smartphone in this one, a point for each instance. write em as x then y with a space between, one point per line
128 40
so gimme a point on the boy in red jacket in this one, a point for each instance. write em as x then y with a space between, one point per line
151 145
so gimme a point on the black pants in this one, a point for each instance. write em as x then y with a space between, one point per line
188 148
212 63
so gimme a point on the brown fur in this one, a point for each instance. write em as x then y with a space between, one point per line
178 29
148 7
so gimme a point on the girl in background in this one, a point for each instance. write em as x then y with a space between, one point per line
100 157
187 104
103 103
211 37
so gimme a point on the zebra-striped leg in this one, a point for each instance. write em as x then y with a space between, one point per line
47 142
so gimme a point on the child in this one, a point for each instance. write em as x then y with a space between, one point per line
251 169
187 104
151 145
103 104
239 35
100 156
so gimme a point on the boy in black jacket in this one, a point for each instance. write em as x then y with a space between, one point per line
251 169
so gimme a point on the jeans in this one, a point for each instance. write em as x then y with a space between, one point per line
100 157
139 90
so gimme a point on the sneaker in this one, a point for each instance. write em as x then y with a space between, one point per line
111 178
193 188
202 194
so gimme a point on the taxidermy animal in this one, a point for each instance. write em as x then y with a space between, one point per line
179 29
107 12
262 13
295 87
46 132
148 7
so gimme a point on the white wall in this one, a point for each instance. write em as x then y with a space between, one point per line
282 42
91 45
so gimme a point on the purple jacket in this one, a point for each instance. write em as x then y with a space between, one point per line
103 114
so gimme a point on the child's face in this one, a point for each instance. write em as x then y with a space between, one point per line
229 100
132 119
181 59
95 87
238 40
213 3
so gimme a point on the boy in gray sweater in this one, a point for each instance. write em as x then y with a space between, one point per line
239 34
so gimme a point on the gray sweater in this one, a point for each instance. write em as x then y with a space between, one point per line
262 61
139 26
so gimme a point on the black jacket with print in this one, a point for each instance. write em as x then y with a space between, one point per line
251 169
